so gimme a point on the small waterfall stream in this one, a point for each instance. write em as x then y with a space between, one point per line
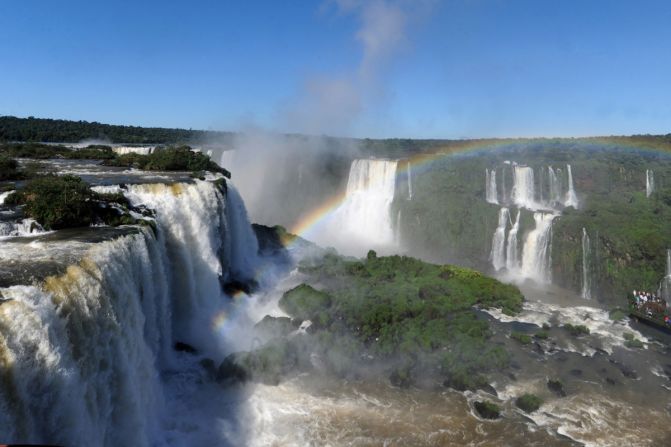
571 197
498 252
586 291
512 252
490 186
649 182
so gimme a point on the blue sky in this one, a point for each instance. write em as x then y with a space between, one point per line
378 68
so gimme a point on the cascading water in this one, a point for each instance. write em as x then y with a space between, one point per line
490 186
536 250
523 194
571 197
208 239
142 150
546 203
665 291
4 195
397 229
586 292
365 214
409 172
555 187
80 355
498 252
512 255
649 182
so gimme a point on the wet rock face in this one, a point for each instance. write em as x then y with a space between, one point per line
557 387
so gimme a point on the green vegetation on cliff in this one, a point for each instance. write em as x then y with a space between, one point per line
179 158
40 129
57 202
405 318
44 151
528 402
629 235
9 169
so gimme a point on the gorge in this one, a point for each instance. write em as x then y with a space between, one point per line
118 334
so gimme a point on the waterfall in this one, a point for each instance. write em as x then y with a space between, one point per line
571 198
498 253
666 282
555 187
512 256
649 182
409 172
504 197
535 259
523 194
365 213
397 229
537 247
586 281
81 355
4 195
227 159
490 186
142 150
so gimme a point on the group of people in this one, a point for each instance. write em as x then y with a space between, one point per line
652 305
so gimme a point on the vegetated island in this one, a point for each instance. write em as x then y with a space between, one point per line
397 317
66 201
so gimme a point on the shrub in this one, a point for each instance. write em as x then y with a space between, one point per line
487 410
528 402
525 339
577 330
306 303
630 341
177 158
57 201
542 335
8 168
557 387
617 314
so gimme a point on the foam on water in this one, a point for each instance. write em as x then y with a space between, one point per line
608 333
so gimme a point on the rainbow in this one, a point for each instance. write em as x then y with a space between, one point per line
314 218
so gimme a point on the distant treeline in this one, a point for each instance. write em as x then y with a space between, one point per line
49 130
63 131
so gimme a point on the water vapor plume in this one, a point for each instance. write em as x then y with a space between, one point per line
336 103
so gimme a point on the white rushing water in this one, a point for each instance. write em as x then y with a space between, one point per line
4 195
20 228
536 254
81 353
142 150
512 251
363 220
586 291
409 172
498 252
523 194
571 197
546 195
490 186
666 282
554 187
649 182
